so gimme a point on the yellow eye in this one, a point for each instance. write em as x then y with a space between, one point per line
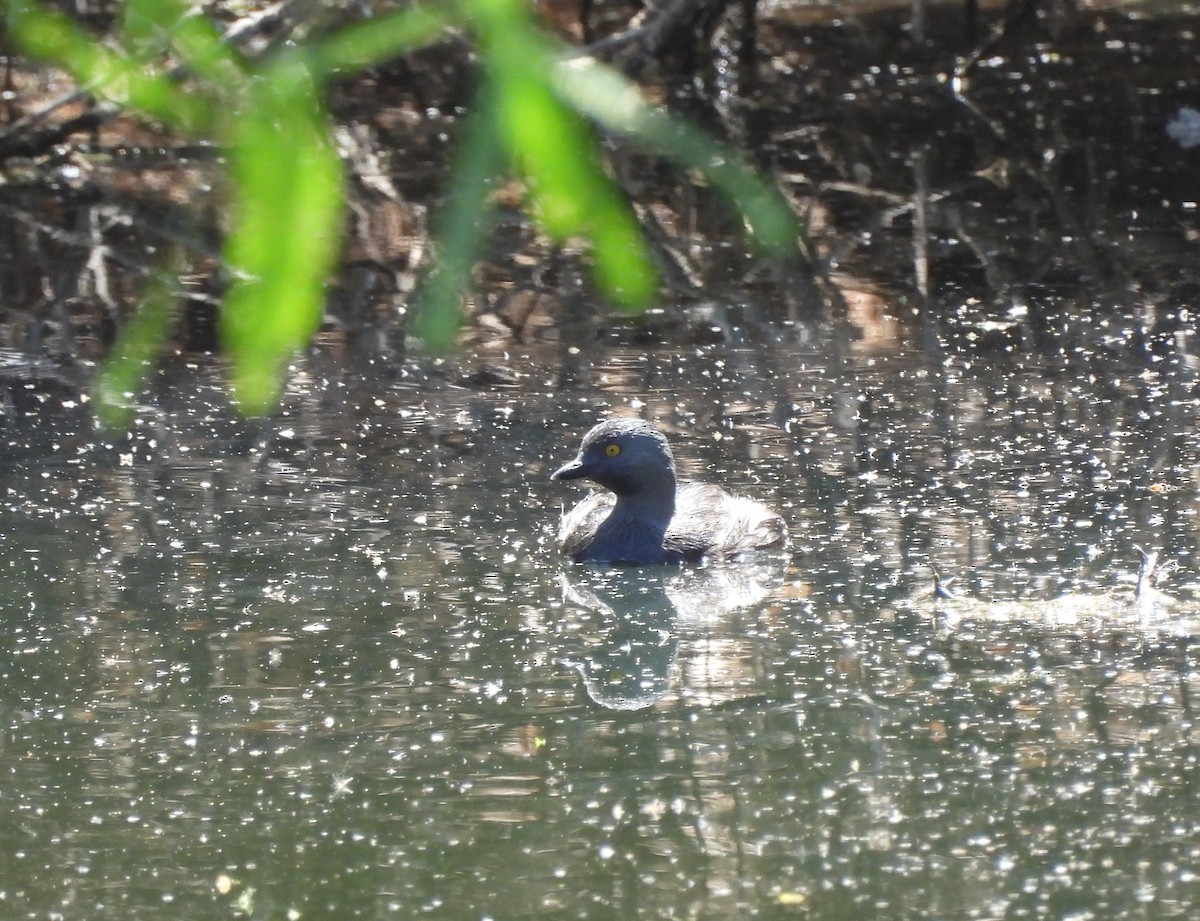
612 450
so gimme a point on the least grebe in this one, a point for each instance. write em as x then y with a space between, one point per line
647 517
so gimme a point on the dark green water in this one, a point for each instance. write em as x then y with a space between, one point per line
331 667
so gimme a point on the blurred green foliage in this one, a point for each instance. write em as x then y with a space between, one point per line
534 115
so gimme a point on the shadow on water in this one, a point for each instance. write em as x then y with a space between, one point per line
329 665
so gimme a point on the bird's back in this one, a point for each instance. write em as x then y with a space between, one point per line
720 523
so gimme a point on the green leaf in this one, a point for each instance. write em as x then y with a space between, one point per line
51 36
461 229
287 181
622 266
153 26
546 141
558 154
143 30
551 146
373 41
124 371
616 104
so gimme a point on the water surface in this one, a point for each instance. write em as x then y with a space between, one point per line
330 665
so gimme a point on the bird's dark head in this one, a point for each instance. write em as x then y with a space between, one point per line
624 455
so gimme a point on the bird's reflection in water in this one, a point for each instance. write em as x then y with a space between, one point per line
637 618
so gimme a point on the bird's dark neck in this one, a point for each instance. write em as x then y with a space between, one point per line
653 499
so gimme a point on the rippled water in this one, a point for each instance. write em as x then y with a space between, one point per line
330 666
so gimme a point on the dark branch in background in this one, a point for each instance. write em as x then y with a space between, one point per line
18 142
667 39
23 138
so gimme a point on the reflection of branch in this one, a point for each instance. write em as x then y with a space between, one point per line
101 251
1035 167
1018 14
